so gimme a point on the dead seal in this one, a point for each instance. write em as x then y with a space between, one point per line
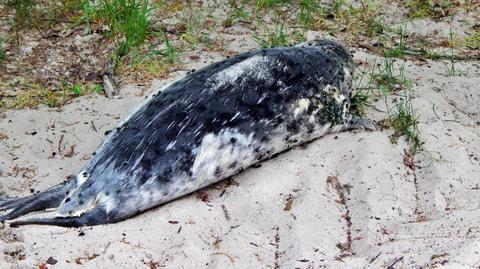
204 128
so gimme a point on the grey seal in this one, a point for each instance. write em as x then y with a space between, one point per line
203 128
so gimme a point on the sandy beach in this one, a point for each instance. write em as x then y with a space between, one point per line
348 200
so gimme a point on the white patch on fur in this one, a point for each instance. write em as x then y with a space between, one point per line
302 106
254 67
171 145
235 116
81 178
348 75
218 152
106 201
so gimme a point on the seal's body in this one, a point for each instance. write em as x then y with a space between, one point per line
204 128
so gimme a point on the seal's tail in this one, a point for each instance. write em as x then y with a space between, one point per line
50 198
95 216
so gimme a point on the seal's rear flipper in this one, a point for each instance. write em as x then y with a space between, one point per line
50 198
9 203
96 216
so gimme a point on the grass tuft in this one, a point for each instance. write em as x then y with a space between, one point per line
404 121
38 95
2 51
42 14
127 20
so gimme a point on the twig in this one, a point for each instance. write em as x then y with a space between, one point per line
60 146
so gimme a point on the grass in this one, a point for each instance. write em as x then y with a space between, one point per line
385 82
193 33
38 95
2 51
126 19
389 77
276 37
436 9
307 8
150 63
403 119
398 51
279 32
42 14
473 40
364 20
263 4
450 66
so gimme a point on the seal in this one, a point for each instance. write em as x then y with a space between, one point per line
204 128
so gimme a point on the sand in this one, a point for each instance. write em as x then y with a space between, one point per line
347 200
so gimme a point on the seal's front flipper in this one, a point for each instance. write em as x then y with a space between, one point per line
96 216
50 198
357 122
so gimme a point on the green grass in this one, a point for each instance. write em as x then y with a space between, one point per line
193 33
403 119
263 4
398 51
126 19
307 9
239 11
150 63
353 21
35 95
170 52
275 37
388 76
42 14
2 51
389 82
473 40
450 66
430 8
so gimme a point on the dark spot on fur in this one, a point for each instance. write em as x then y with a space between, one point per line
85 174
232 165
80 202
293 127
256 165
67 200
233 140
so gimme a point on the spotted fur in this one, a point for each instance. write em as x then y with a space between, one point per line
204 128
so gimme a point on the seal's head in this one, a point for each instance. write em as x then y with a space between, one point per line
331 48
